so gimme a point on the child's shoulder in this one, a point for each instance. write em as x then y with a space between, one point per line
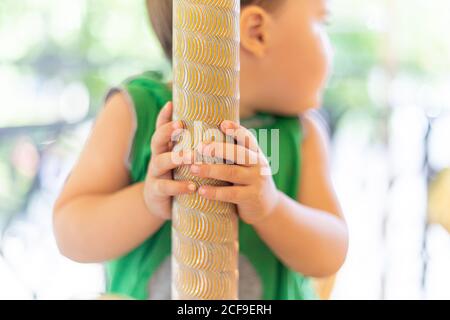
140 99
148 87
146 92
148 79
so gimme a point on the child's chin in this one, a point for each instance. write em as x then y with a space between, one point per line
295 110
314 102
306 104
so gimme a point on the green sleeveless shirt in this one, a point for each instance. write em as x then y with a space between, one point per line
130 275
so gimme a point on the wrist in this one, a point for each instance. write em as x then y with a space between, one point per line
149 205
271 212
145 199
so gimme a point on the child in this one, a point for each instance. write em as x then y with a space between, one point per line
116 205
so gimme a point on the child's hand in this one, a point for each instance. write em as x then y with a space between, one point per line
253 189
159 184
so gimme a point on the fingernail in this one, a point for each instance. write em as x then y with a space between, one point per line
195 169
227 124
206 142
192 187
202 191
202 147
187 157
206 146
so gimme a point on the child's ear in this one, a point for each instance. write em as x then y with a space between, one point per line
255 30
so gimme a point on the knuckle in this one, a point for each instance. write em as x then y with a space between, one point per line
255 195
213 194
258 177
151 186
152 168
155 185
148 186
159 164
180 187
160 120
176 158
259 193
160 186
206 171
242 134
153 142
185 187
233 172
230 195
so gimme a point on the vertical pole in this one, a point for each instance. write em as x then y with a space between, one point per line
205 92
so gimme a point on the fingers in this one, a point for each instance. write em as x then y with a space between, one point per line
165 115
228 173
163 136
235 194
170 188
165 162
230 152
242 135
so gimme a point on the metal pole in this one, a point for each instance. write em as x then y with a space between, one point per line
206 92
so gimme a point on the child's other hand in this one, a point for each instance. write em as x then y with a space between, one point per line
253 189
159 184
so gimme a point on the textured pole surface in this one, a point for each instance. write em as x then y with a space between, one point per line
206 92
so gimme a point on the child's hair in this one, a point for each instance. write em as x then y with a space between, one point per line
160 14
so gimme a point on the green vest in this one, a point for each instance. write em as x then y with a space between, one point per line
130 275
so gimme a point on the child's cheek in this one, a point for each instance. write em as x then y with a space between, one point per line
313 65
327 54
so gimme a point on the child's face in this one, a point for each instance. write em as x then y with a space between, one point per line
294 65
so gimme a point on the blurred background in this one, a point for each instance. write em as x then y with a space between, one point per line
388 107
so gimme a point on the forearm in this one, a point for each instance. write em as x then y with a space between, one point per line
309 241
98 228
